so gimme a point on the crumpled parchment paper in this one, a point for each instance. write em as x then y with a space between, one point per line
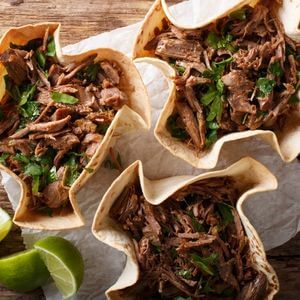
276 215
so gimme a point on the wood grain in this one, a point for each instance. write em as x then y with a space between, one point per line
81 19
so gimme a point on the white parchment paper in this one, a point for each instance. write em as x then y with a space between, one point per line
276 215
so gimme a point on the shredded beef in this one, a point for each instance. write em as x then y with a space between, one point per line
53 117
245 62
181 252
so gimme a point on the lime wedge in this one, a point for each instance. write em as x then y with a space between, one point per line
64 263
5 224
23 271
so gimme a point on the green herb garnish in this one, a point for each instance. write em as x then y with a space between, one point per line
186 274
205 263
175 130
226 213
27 94
72 171
51 47
220 42
265 86
275 69
41 59
3 158
63 98
240 14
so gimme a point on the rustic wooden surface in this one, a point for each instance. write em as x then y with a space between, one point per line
81 19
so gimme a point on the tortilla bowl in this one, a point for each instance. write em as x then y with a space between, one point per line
251 178
285 140
131 117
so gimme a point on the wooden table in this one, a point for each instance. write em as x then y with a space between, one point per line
81 19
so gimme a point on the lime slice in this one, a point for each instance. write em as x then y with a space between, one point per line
5 224
23 271
64 263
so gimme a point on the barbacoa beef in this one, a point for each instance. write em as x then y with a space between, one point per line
192 245
243 69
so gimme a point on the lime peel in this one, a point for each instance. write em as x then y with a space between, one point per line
64 263
23 271
5 224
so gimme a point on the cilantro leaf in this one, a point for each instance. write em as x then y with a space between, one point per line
240 14
182 298
22 158
35 184
265 86
52 175
205 263
220 42
72 171
212 125
211 137
210 96
92 72
41 59
33 169
51 47
3 158
197 226
186 274
63 98
175 130
29 112
275 69
216 109
226 213
27 94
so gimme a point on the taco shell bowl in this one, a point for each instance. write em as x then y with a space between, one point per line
285 141
250 178
134 116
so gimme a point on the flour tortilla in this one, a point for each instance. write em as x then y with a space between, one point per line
286 142
129 118
251 177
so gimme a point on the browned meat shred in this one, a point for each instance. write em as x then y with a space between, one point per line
191 245
248 62
47 141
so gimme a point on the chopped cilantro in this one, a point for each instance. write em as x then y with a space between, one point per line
226 213
35 186
211 137
197 226
175 130
265 86
27 94
33 169
3 158
186 274
63 98
275 69
41 59
212 125
72 171
220 42
52 175
92 72
240 14
205 263
210 96
51 47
